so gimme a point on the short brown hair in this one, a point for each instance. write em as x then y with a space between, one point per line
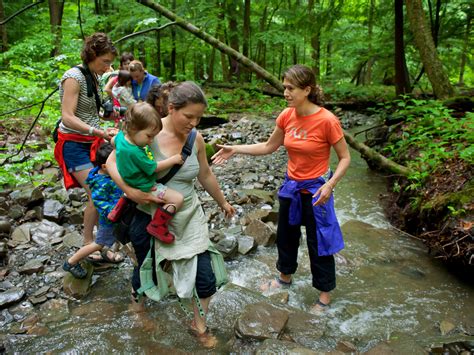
96 45
141 116
302 77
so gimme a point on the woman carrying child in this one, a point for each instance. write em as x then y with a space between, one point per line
189 253
105 195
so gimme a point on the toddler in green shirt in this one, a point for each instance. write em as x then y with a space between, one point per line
138 168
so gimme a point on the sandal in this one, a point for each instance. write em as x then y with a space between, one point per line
112 260
275 284
76 270
319 307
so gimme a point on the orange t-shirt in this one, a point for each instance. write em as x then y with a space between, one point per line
308 140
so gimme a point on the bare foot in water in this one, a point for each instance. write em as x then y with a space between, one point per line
276 283
204 336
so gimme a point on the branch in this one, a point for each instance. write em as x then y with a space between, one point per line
144 31
20 11
32 125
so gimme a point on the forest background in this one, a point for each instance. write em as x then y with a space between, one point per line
410 62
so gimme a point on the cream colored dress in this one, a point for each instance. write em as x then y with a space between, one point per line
189 225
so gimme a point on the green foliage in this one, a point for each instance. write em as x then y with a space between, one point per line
430 136
346 91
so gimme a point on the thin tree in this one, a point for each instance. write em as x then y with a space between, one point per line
422 35
402 80
3 29
56 8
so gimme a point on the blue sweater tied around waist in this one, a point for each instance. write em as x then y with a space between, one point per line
328 231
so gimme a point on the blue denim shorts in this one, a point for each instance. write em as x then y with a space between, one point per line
77 156
105 236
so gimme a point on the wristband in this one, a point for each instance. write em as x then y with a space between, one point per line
91 130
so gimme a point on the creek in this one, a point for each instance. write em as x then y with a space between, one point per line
389 290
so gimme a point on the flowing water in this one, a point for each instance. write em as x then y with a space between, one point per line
388 290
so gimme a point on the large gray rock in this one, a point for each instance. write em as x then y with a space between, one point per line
227 246
53 210
21 234
54 311
27 195
32 267
10 297
246 244
45 231
263 233
261 321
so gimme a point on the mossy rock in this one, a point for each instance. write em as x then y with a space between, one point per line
210 151
78 287
454 199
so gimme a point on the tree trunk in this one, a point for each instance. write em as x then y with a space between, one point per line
221 37
173 47
272 80
370 30
158 52
371 155
437 76
315 39
246 37
56 8
465 48
259 56
3 29
232 11
328 58
402 80
210 68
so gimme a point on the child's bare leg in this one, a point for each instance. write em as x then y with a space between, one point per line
84 252
172 198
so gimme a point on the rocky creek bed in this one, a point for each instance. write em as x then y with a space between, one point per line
40 227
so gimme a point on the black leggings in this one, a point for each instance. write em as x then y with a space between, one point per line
323 268
205 278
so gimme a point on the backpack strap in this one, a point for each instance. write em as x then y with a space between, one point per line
185 153
91 85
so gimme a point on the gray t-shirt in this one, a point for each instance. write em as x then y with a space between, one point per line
86 109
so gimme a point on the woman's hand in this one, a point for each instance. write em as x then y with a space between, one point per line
324 193
225 152
228 209
142 198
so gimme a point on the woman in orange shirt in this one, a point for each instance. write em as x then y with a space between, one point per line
307 131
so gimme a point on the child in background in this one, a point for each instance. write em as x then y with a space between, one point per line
138 168
122 90
105 194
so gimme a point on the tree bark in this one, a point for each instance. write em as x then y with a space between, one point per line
221 37
402 80
232 11
370 30
437 76
246 37
56 8
3 29
315 39
465 48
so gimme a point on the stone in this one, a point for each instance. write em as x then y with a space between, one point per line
446 327
261 321
73 240
5 227
5 318
10 297
273 346
53 210
227 246
54 311
27 195
37 300
305 328
246 244
43 232
16 211
21 234
257 196
31 267
262 232
78 288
